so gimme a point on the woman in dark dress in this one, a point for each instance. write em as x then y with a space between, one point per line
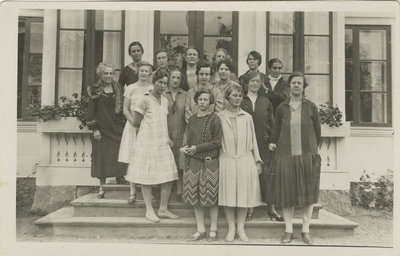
130 73
106 120
296 167
260 109
201 174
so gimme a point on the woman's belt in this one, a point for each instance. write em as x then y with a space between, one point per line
237 156
205 159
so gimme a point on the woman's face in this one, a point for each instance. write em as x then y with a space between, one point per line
255 84
175 79
252 63
107 75
296 86
136 53
203 102
220 55
276 70
162 60
160 85
224 72
192 56
204 75
144 72
235 98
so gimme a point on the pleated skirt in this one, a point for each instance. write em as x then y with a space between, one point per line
294 180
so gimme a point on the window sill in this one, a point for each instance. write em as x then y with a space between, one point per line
26 126
371 132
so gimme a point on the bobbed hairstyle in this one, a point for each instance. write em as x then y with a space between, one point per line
160 74
160 51
230 89
298 74
145 63
228 64
273 61
173 70
256 55
133 44
194 48
202 64
250 75
102 66
200 92
227 56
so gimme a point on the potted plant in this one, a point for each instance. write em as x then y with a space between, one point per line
331 120
69 108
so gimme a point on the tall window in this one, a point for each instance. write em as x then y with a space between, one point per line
368 84
303 41
30 51
208 31
86 38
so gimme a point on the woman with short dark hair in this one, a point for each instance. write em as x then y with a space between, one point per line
225 69
221 54
129 73
296 167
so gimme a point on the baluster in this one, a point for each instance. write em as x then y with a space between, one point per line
74 138
83 146
58 137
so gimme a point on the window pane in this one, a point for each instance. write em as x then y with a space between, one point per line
174 22
211 44
69 82
71 49
36 40
108 20
34 95
318 89
372 76
373 44
349 106
35 69
176 46
373 107
21 48
348 37
349 75
72 19
281 47
218 23
112 48
316 54
281 22
316 23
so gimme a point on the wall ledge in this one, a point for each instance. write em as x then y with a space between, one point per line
25 126
371 132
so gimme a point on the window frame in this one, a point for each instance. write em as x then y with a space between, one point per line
89 53
196 34
356 122
25 66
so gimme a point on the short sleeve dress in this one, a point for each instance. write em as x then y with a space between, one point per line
296 167
133 92
152 161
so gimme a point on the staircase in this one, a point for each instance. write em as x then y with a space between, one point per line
89 216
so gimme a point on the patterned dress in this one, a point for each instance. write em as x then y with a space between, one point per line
201 174
133 92
152 161
296 167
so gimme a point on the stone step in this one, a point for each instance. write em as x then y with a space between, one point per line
63 223
90 206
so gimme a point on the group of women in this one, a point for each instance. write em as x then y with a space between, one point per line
226 141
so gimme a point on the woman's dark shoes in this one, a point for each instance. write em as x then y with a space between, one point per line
132 199
276 216
213 235
101 194
249 216
197 236
121 180
287 238
306 238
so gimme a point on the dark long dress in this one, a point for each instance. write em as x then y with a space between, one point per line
201 177
101 116
264 122
296 168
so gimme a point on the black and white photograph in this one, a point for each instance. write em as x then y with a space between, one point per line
192 128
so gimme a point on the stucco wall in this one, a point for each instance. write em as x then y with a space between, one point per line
28 151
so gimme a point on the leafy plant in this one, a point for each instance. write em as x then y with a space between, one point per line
371 194
330 115
75 107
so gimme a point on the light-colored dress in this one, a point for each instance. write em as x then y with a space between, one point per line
239 184
152 161
133 92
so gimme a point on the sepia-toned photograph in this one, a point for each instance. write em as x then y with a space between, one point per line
186 128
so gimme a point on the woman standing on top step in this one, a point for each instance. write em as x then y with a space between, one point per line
296 167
